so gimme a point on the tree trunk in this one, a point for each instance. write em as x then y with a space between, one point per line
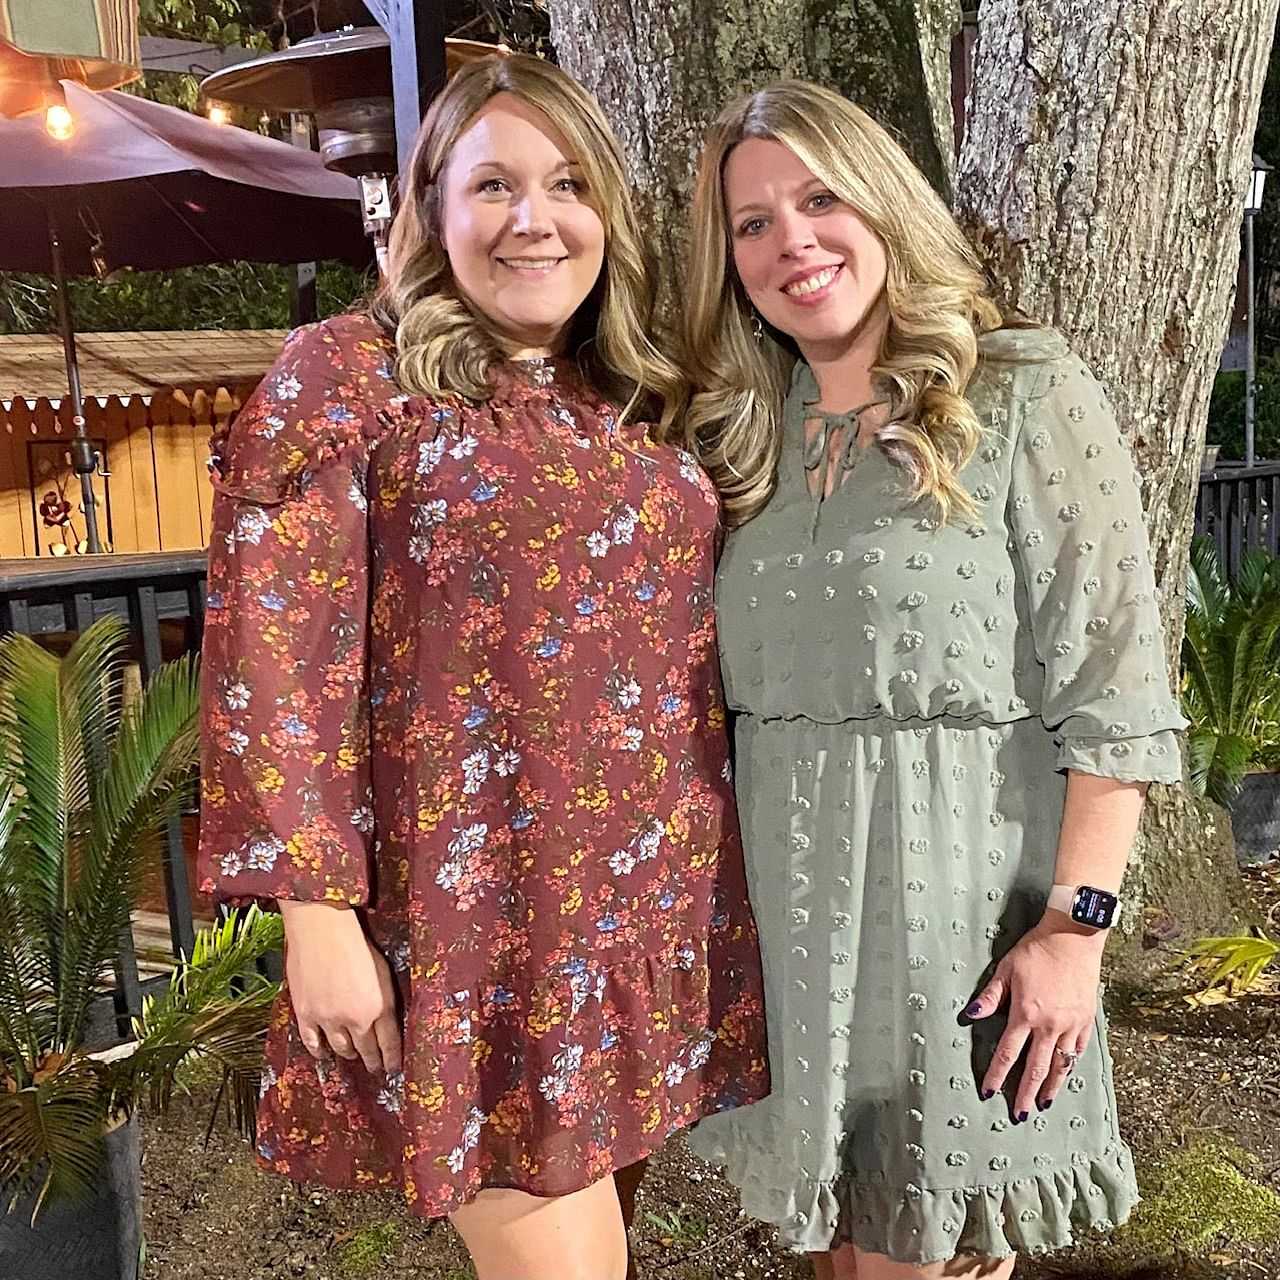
1102 177
663 71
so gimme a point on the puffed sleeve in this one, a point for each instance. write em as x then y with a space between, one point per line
286 808
1080 540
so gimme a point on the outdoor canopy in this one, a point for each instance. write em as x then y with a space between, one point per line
138 184
143 185
42 42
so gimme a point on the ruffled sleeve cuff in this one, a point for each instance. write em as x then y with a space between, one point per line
1153 758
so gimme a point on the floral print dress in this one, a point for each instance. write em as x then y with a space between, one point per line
460 673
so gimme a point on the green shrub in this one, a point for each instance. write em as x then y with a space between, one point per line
1231 669
1226 413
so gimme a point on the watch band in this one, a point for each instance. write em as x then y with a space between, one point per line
1061 896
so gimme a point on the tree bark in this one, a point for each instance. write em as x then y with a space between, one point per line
1102 178
663 71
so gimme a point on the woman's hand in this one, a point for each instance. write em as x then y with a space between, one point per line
340 986
1050 979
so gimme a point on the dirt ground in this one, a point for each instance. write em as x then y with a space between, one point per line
1200 1101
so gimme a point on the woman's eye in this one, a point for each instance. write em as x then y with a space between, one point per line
751 227
822 200
569 184
491 185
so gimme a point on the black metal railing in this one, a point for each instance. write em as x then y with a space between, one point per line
161 596
1237 507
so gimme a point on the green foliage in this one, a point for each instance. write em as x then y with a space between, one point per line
367 1248
217 21
227 295
1235 965
86 785
1226 412
676 1228
1231 669
1200 1195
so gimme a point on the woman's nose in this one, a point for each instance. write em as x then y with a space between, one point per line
795 233
531 216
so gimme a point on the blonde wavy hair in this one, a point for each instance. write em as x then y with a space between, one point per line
445 349
938 302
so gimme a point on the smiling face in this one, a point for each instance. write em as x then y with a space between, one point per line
809 264
524 246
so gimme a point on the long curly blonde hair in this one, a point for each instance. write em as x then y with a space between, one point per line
937 297
445 349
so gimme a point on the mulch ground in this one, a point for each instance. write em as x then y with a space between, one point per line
1183 1075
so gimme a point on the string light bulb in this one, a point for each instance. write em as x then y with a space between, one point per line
218 114
59 123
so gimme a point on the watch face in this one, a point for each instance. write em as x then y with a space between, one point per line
1094 907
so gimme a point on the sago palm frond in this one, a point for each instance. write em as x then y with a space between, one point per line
21 974
216 1007
86 784
51 1135
1208 590
150 765
1257 578
1231 669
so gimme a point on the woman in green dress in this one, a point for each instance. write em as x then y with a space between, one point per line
939 627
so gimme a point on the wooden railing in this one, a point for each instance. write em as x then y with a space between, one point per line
1239 507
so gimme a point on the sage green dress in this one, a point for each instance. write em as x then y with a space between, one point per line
910 697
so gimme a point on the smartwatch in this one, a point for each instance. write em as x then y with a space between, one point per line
1094 908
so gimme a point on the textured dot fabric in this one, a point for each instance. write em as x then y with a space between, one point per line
460 673
909 697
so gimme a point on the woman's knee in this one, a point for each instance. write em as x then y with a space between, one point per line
512 1235
876 1266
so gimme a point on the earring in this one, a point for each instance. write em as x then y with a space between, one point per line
757 326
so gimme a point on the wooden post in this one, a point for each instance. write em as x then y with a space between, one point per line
417 31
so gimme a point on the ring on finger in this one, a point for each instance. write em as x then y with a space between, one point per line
1068 1058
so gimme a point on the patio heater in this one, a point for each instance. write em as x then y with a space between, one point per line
345 81
1252 207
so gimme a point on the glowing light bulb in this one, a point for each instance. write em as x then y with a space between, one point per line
218 114
59 123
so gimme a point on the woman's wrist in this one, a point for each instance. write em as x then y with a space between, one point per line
1059 923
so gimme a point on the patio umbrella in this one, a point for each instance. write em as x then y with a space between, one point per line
94 42
152 187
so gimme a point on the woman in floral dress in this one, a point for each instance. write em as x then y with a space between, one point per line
940 630
463 714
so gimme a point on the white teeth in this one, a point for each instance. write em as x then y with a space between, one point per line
813 283
530 264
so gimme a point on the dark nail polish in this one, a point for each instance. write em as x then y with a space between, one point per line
974 1009
987 1094
1044 1106
1020 1118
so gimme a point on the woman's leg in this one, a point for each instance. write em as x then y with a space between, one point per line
837 1264
627 1182
875 1266
512 1235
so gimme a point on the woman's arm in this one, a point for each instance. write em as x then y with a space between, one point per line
1050 977
1078 535
287 803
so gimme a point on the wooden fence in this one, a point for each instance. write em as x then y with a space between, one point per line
153 487
1239 507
